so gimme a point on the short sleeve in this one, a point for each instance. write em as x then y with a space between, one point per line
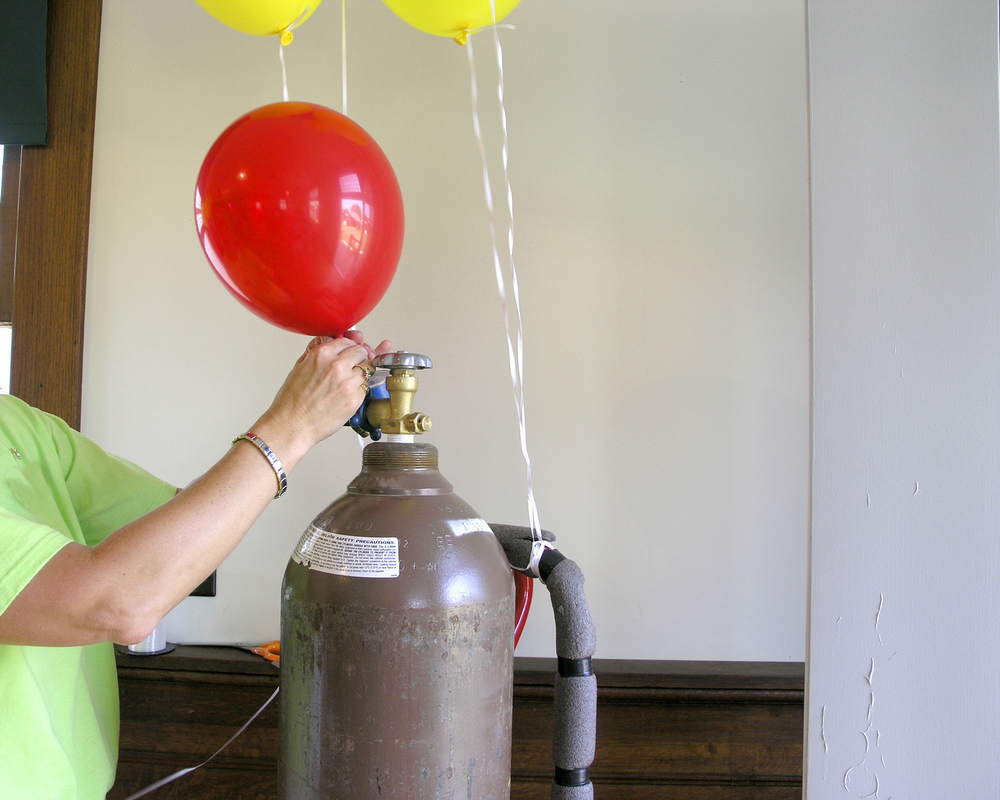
56 487
26 546
107 492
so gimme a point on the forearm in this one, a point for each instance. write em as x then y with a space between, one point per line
148 567
121 588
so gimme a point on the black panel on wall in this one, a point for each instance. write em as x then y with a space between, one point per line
23 115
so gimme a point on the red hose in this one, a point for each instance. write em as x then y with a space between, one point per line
523 588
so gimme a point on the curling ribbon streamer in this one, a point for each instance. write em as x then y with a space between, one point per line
284 39
180 773
516 358
284 74
343 52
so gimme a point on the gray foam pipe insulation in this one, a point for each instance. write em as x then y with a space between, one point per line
575 735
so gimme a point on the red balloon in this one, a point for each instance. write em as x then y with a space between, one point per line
301 217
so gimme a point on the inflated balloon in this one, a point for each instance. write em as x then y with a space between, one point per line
454 18
261 17
300 215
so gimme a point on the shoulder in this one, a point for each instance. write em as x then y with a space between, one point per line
14 411
19 421
11 406
39 436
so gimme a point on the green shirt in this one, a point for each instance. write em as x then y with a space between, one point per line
58 705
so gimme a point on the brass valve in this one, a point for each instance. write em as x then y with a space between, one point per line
396 414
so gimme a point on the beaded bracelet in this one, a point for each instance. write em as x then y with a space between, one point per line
272 459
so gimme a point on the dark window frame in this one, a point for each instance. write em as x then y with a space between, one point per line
11 176
51 221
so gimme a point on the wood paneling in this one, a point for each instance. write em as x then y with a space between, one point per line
53 220
693 730
11 178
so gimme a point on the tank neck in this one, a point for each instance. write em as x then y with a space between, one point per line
396 468
394 455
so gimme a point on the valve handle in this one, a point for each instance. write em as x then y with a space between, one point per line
401 366
402 360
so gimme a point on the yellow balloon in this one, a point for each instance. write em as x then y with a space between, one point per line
261 17
454 18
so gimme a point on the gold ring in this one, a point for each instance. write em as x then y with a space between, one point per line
366 387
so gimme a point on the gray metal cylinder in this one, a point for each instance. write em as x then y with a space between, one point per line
397 615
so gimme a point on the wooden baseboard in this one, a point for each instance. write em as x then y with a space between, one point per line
665 729
669 729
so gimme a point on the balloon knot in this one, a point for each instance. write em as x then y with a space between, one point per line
286 37
463 37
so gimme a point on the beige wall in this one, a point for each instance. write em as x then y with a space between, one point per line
659 169
902 691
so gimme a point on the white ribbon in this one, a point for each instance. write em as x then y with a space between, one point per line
181 773
281 48
515 356
538 548
343 53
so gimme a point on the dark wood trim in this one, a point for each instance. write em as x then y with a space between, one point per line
669 730
11 177
666 729
53 220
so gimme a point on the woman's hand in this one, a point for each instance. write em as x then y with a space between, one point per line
358 338
323 390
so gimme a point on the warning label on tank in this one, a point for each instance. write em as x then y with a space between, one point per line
351 556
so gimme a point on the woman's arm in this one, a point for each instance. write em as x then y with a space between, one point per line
120 589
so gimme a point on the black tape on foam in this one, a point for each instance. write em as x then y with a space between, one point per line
573 777
575 667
